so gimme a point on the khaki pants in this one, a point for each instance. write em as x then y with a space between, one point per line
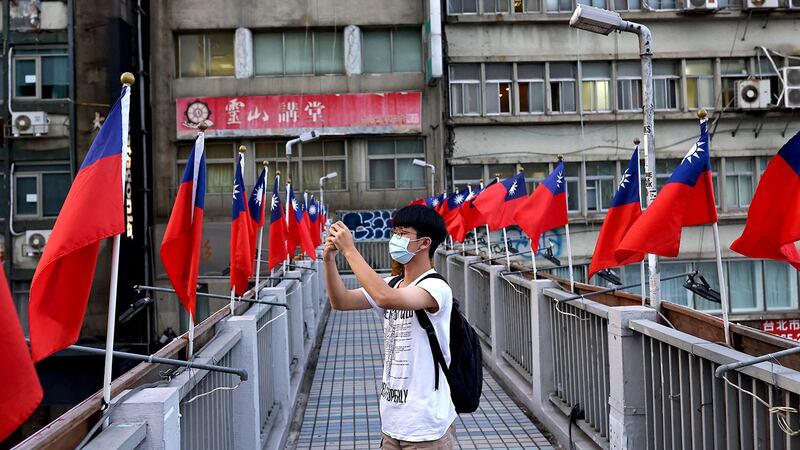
446 442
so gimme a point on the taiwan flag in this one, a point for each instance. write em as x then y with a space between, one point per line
277 229
314 218
93 210
498 203
467 216
241 246
686 200
180 248
255 206
625 210
297 231
546 208
452 218
773 221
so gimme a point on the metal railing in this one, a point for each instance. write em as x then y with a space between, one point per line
688 407
579 337
516 304
376 253
266 364
480 308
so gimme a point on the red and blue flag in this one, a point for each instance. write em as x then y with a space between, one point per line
180 248
314 220
451 216
499 202
624 211
93 210
255 208
546 208
277 229
297 231
773 221
686 200
241 246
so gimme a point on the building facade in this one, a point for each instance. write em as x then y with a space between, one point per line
523 87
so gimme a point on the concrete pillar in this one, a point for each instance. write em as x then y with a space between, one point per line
243 53
498 315
542 381
282 358
467 260
246 405
352 50
627 421
159 408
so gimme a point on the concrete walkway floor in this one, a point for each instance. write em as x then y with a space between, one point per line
342 403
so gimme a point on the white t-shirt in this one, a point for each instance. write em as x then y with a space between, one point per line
411 410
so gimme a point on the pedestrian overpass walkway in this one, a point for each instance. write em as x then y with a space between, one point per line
342 403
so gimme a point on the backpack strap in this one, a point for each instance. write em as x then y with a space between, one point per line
436 349
395 280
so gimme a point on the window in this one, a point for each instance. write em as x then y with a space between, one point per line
534 174
780 285
498 89
465 89
462 6
495 6
562 87
40 190
596 84
656 5
572 173
595 3
530 86
220 158
739 182
320 158
390 164
629 86
205 55
743 284
732 71
700 83
673 290
527 6
708 270
41 76
397 50
665 81
627 5
502 170
730 4
600 186
558 6
468 174
275 153
298 53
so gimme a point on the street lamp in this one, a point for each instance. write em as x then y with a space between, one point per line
308 136
421 163
602 21
321 181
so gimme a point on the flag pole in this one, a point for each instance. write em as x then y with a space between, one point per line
569 245
286 213
636 142
723 290
533 258
261 231
127 80
190 351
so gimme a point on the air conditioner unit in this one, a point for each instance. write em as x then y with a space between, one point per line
700 5
791 83
762 4
29 123
35 240
753 94
793 4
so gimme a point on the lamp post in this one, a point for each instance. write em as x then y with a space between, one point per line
421 163
602 21
308 136
321 181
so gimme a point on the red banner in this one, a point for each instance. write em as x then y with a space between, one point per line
785 328
290 115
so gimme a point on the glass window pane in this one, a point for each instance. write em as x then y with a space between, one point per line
312 172
467 173
596 70
530 71
472 98
408 146
524 97
380 147
742 284
699 67
492 98
376 51
409 175
709 271
298 52
55 72
500 72
630 69
733 67
466 72
312 149
504 170
663 67
192 57
27 197
55 187
328 53
456 99
407 51
220 54
268 53
536 97
673 290
265 150
780 284
219 177
568 102
222 150
334 148
338 166
25 78
563 70
381 174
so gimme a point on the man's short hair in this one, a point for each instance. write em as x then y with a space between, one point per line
426 221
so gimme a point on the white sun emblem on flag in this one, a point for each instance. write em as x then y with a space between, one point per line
235 191
559 179
312 209
694 152
274 202
435 202
624 181
258 195
513 189
459 199
295 206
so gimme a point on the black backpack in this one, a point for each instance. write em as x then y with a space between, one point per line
465 374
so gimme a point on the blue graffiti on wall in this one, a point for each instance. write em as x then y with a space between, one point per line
373 225
518 242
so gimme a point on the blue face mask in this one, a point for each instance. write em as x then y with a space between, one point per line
398 249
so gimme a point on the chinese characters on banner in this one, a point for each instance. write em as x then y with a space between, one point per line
785 328
290 115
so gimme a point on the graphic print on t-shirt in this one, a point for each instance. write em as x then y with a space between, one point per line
397 345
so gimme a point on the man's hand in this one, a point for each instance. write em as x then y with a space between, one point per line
329 252
339 235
